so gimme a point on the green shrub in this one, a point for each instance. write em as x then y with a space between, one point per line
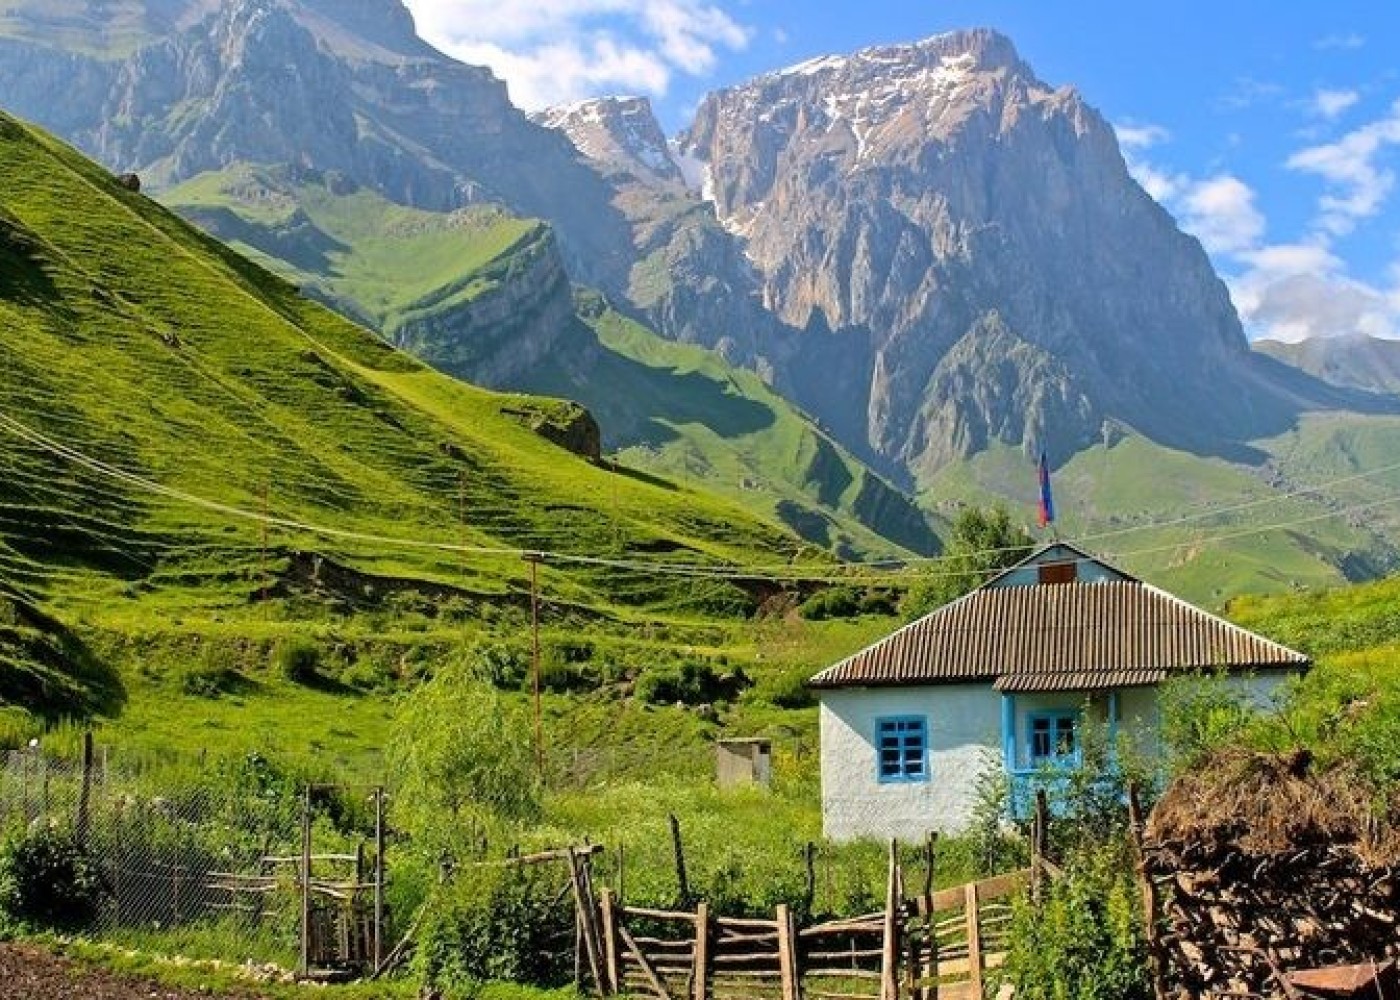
298 660
47 881
786 687
496 923
1200 714
1085 940
689 682
833 602
879 602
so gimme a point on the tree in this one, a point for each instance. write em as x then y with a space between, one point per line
459 750
984 542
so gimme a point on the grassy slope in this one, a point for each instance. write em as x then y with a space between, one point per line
1122 499
1348 707
675 410
141 342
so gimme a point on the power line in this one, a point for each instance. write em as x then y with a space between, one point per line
825 573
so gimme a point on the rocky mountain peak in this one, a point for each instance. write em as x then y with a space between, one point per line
618 133
963 243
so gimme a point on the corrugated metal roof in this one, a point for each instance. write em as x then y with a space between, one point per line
1054 637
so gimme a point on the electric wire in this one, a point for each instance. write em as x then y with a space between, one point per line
826 573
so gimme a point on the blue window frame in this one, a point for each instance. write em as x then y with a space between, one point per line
1054 737
901 747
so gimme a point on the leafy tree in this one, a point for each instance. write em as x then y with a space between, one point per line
460 751
984 542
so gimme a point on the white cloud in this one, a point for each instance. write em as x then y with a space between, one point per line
1220 211
1342 40
1136 137
552 51
1329 104
1299 290
1358 183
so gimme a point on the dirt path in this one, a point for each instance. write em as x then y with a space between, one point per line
30 973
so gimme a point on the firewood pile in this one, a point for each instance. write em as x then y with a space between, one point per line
1268 866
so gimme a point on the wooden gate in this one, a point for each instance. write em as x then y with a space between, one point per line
934 946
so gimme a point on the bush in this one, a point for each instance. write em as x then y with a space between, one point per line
47 881
299 660
833 602
1085 940
496 923
690 682
1200 714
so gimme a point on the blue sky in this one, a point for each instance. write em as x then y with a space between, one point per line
1270 130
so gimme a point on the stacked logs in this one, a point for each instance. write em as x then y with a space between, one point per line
1237 922
1267 868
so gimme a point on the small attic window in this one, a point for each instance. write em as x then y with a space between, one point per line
1057 572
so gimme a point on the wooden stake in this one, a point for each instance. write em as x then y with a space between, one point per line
587 924
305 964
678 852
533 558
889 954
701 978
809 858
379 872
608 912
930 991
787 954
1151 907
1040 835
84 792
974 940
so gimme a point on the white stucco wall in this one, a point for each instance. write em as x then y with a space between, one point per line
964 739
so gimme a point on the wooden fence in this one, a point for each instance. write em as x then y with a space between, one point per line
931 946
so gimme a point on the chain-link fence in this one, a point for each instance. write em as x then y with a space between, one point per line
234 860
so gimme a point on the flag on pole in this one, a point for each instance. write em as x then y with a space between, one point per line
1046 514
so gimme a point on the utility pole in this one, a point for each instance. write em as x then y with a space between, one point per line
262 544
534 559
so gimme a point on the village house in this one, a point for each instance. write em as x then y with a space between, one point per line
1003 678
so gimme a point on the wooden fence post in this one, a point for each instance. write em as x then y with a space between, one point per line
889 955
84 792
1151 906
701 977
1040 835
974 939
589 925
787 953
379 872
930 990
682 880
304 965
608 914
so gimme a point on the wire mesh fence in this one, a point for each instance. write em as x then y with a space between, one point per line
246 865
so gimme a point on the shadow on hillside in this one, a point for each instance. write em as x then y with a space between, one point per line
642 477
23 277
47 670
640 404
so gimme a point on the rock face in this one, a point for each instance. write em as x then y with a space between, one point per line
620 133
339 86
963 246
499 335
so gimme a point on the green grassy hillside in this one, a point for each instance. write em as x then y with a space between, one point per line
1209 529
675 410
157 388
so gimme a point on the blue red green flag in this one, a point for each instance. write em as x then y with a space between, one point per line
1046 514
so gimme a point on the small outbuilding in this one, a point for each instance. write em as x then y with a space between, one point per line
743 761
1006 677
